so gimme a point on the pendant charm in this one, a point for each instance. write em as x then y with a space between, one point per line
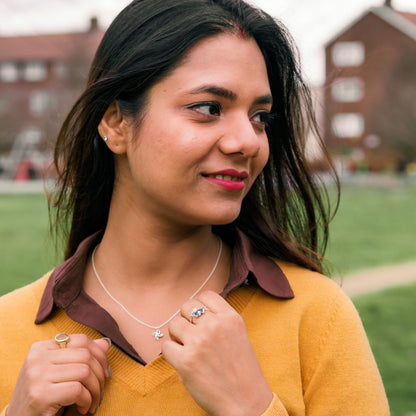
157 334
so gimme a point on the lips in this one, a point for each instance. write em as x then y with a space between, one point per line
229 178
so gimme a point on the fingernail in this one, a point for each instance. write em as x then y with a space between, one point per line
108 340
110 373
99 403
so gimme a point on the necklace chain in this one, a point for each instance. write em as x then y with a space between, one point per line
157 334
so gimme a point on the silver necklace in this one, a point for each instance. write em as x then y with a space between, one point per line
157 334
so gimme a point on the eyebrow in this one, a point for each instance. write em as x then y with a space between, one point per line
228 94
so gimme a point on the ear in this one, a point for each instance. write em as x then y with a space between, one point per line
114 129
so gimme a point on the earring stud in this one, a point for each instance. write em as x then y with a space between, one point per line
105 138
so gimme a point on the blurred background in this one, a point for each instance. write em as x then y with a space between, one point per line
359 58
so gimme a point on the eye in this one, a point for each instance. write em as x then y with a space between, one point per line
263 118
207 108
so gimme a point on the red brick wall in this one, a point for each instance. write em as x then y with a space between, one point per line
383 45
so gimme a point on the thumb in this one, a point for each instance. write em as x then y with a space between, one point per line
103 343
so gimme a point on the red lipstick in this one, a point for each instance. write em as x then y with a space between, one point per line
228 178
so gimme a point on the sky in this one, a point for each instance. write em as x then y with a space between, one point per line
312 23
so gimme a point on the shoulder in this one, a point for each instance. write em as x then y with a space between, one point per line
18 311
306 283
320 301
317 298
24 299
18 332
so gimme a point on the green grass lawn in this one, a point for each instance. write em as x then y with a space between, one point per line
373 227
26 250
389 319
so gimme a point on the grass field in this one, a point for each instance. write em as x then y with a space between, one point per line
373 227
26 250
389 319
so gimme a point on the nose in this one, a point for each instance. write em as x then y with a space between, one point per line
241 137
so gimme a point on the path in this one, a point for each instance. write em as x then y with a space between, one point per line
379 278
21 187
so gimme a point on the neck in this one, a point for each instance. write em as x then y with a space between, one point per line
152 256
137 255
177 277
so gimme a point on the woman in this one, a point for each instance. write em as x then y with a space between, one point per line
193 237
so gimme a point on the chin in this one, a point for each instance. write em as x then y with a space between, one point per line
225 217
214 214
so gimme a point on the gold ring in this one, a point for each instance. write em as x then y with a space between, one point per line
62 339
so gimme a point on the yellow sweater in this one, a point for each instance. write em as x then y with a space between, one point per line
312 349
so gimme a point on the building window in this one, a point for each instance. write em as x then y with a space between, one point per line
9 72
348 53
60 70
39 103
34 71
348 125
347 90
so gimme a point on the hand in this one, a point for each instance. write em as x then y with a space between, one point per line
214 359
53 377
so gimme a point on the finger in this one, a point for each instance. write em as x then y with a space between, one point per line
98 348
192 309
103 343
72 392
89 361
213 301
180 330
78 365
172 351
80 373
82 356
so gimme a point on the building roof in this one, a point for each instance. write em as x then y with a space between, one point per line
403 21
52 47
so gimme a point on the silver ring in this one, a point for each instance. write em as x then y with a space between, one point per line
197 312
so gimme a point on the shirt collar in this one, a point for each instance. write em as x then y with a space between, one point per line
65 283
248 264
247 267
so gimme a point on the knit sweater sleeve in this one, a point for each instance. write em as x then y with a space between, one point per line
341 376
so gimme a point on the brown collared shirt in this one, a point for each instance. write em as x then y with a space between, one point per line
64 289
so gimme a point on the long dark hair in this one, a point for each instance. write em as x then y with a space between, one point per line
285 214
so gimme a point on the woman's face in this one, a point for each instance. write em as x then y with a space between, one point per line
202 141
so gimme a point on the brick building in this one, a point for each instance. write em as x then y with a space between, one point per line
370 90
40 77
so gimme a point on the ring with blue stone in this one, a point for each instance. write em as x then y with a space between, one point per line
197 312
